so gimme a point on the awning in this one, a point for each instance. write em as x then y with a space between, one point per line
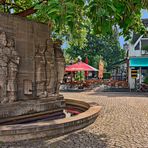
80 66
138 62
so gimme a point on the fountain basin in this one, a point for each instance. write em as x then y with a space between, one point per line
53 128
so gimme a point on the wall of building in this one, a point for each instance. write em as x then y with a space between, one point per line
133 52
136 50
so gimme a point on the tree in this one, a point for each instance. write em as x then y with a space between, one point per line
70 17
104 47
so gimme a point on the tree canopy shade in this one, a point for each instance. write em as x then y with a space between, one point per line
70 18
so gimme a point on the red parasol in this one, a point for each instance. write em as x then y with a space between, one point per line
80 66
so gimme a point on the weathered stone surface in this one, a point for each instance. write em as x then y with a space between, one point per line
31 65
9 63
31 69
50 129
8 110
40 66
60 64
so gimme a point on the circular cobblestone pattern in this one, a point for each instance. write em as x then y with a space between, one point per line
122 123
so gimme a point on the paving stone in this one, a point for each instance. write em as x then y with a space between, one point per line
122 123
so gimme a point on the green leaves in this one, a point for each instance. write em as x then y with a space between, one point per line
106 47
101 15
71 18
67 17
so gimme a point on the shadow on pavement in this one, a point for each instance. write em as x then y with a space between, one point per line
81 139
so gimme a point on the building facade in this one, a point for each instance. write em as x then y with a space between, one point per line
138 59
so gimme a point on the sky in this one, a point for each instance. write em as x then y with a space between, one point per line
144 15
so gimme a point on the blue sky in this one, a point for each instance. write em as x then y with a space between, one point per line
144 15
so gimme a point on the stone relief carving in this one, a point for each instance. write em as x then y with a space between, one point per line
49 68
9 62
40 70
12 67
44 69
59 64
3 67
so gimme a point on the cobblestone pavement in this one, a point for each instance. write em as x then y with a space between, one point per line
122 123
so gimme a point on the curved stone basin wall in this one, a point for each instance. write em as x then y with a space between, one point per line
50 129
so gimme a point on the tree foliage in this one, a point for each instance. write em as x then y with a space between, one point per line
70 17
101 47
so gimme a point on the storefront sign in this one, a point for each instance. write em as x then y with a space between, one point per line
134 73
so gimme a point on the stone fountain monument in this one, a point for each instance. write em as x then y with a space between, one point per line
31 68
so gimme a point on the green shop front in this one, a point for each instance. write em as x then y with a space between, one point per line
138 71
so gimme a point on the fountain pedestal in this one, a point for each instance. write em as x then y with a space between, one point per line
22 109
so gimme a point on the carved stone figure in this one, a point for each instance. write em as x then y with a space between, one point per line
51 68
3 68
60 64
45 70
40 70
8 69
12 69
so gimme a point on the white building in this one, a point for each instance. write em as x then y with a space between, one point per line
138 60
